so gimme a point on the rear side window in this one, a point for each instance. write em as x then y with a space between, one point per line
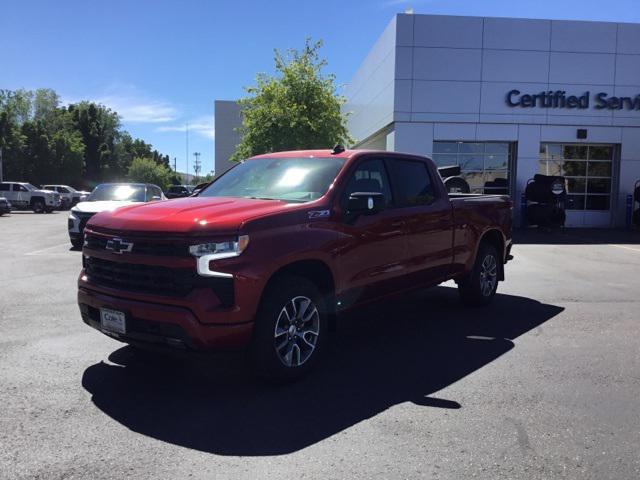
411 182
5 187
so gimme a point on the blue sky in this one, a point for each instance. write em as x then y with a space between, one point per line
161 64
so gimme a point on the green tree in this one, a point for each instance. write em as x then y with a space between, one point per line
296 109
145 170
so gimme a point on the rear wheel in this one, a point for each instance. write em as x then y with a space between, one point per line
290 330
480 286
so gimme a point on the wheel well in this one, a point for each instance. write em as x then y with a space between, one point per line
314 270
494 237
33 199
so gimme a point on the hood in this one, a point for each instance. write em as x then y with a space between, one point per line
95 207
46 192
190 214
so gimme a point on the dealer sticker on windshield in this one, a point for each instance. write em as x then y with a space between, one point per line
113 320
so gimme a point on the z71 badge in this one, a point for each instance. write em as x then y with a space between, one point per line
319 214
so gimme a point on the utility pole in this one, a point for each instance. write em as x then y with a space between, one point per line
1 177
196 166
187 156
175 164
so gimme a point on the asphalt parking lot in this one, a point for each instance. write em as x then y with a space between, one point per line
544 383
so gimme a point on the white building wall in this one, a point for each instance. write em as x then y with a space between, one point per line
451 76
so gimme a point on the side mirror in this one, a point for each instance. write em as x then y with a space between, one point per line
365 203
155 198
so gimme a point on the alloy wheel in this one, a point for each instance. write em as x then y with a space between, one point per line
488 275
297 330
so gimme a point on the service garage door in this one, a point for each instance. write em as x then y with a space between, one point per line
590 170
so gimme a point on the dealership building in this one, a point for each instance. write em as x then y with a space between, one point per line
506 99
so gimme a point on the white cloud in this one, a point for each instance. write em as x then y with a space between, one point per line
202 126
131 104
139 110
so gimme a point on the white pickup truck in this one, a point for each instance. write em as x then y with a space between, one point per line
69 196
24 196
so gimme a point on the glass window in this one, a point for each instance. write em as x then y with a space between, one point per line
153 192
599 169
481 163
411 182
370 176
600 152
588 170
118 192
445 147
5 187
278 178
575 151
19 188
470 162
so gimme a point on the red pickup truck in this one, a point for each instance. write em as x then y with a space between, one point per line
266 256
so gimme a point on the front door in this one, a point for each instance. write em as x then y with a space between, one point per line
371 248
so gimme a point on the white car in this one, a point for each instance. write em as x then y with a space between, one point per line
69 196
24 196
106 197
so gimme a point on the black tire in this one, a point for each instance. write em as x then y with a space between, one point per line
37 205
456 185
48 210
636 194
636 218
473 289
77 243
272 328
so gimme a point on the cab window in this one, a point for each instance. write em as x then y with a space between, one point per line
5 187
370 176
19 188
411 182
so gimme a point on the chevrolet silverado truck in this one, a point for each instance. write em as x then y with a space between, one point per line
267 256
24 196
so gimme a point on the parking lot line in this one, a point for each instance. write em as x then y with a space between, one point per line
626 248
43 251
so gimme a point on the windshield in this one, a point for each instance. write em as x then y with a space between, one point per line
28 186
287 179
128 193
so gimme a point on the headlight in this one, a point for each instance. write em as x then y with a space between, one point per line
208 252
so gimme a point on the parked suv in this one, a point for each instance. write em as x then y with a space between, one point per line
266 256
24 196
179 191
69 196
107 197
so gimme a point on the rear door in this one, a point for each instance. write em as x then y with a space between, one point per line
428 216
371 248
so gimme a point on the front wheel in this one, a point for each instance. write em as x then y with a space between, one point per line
290 330
37 206
480 285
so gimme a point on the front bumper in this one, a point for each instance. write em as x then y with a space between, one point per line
162 325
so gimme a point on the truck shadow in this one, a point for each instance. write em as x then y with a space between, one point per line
401 350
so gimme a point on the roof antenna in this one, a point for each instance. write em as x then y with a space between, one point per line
337 149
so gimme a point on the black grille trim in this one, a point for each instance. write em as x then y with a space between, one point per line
142 247
155 280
